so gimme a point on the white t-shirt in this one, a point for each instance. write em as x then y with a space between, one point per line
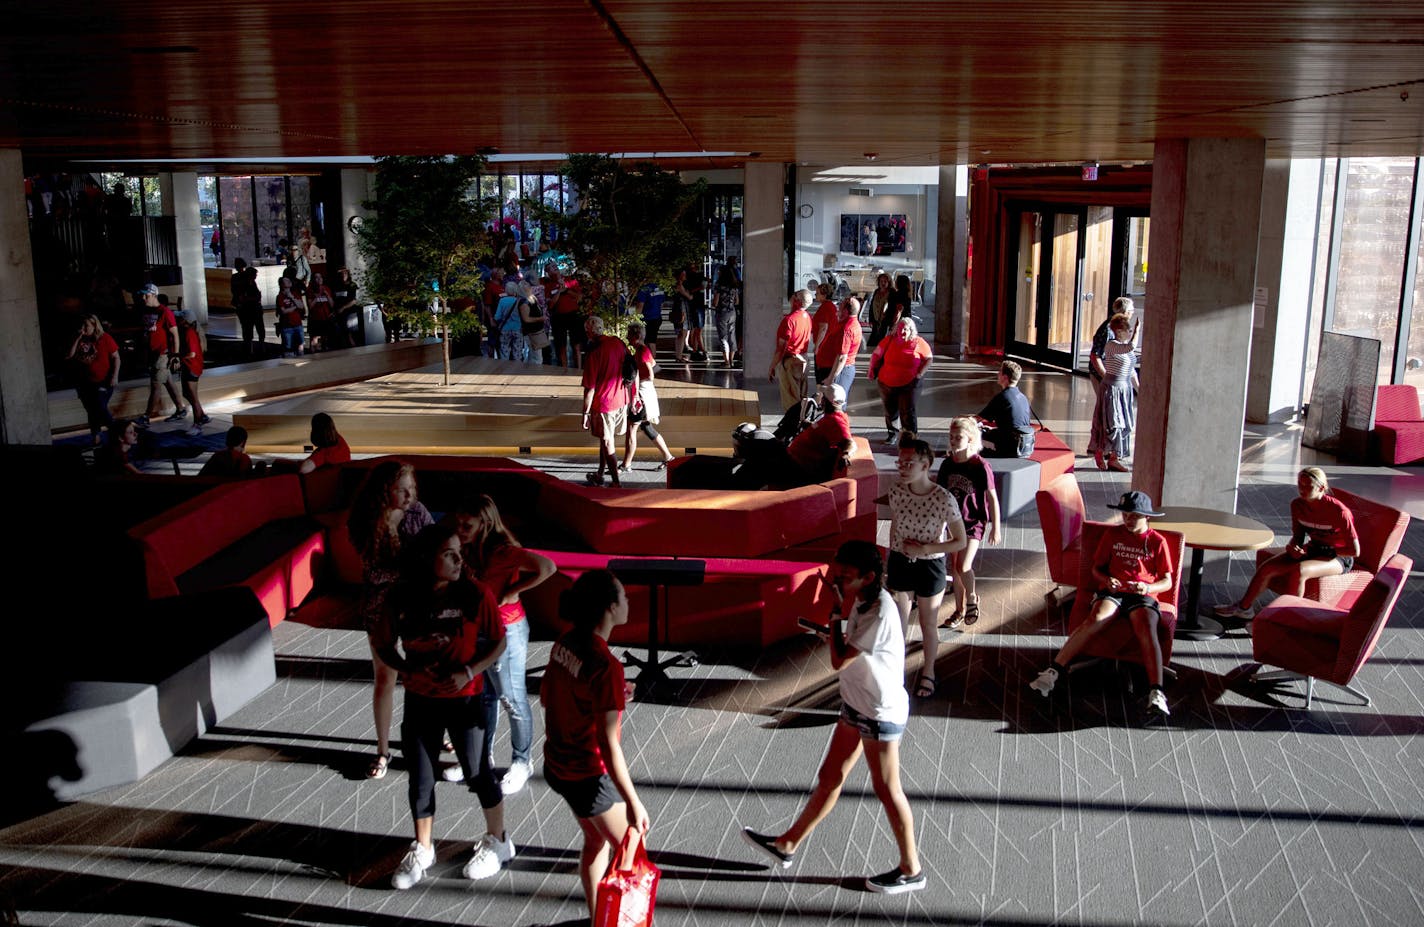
874 682
923 518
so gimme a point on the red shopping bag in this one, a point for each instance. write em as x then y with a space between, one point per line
627 893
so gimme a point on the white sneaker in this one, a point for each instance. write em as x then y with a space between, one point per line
195 431
1155 711
515 778
490 854
412 867
1232 610
1045 682
452 773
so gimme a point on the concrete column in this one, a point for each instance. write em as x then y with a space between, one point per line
951 256
178 194
355 191
24 410
764 265
1206 217
1290 201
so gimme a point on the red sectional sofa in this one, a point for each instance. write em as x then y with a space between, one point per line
253 533
284 536
1398 435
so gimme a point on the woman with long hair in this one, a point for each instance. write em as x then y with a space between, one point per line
449 633
1115 412
331 448
583 694
643 410
1323 543
879 309
96 355
967 476
494 557
925 525
385 516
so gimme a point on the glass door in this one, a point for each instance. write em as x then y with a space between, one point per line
1046 283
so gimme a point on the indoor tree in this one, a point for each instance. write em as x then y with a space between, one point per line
423 240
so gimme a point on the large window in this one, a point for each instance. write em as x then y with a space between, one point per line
1414 363
251 215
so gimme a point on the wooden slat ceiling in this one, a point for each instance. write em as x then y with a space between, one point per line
819 81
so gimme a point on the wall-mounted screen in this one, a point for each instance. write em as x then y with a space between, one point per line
869 234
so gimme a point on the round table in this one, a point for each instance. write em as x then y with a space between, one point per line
1204 530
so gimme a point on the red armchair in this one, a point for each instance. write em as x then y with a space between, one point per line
1061 514
1311 641
1381 531
1398 435
1118 642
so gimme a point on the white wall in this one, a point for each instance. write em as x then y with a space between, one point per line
821 233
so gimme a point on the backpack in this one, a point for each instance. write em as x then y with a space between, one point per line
630 369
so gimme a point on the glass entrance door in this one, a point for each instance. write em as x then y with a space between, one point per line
1046 284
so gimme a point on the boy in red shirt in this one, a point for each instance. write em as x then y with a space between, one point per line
190 353
1132 566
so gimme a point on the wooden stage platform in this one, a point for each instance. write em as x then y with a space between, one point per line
489 406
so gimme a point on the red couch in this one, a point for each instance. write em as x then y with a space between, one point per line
1398 435
253 533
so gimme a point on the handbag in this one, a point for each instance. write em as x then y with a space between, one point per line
628 892
539 340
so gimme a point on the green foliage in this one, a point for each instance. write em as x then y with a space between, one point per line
423 241
635 224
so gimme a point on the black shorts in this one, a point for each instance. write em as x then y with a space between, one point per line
1127 602
587 797
922 577
191 377
1323 552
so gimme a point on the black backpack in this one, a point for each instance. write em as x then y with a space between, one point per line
630 369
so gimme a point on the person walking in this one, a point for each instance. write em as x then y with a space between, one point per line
163 362
970 480
191 368
724 303
605 397
95 355
644 412
1115 412
897 366
867 649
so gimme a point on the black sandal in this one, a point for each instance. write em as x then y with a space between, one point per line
971 612
379 766
924 686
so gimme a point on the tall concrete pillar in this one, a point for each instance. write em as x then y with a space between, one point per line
356 189
178 195
24 410
1290 201
1206 217
951 257
764 264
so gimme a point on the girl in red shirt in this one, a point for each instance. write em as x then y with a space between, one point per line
96 354
1323 543
584 693
449 633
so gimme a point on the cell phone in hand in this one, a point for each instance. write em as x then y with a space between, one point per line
810 625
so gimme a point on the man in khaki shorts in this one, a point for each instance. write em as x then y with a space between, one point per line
605 397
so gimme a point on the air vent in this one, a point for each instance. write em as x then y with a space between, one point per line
862 191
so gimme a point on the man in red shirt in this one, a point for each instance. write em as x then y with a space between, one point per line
839 350
605 397
564 316
1132 567
163 354
825 331
788 363
810 458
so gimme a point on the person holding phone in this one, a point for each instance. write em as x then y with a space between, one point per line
867 649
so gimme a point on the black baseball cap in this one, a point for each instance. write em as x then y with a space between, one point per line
1136 502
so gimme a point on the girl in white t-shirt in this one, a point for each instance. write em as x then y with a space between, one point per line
925 524
868 650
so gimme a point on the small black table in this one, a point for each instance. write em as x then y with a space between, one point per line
657 574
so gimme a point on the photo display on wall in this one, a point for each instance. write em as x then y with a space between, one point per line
869 234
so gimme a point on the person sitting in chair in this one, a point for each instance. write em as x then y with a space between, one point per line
1132 567
812 456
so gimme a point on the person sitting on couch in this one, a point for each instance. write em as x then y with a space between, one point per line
1007 419
812 456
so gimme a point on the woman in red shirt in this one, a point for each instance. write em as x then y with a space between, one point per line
583 693
449 633
331 448
1323 543
494 557
897 366
96 354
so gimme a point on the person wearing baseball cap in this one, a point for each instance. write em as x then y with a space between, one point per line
163 354
1132 567
812 455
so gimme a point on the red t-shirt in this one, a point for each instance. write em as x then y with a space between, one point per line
898 360
501 572
644 356
603 373
457 627
563 299
850 340
583 681
1133 558
290 308
1326 522
96 356
795 327
191 344
826 348
815 449
320 301
158 322
338 453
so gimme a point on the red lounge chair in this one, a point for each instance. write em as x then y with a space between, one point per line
1398 435
1061 514
1312 641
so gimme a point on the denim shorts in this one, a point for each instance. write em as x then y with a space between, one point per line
869 728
